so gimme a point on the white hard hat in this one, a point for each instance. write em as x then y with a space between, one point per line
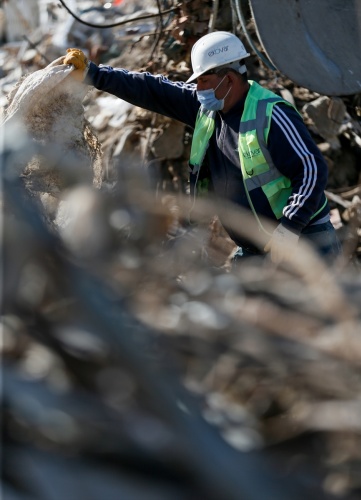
216 49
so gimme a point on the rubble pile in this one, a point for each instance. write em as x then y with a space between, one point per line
135 365
334 122
124 352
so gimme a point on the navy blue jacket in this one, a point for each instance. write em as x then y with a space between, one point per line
291 147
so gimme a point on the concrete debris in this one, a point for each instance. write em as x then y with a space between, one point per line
81 221
328 115
108 111
170 143
19 18
132 356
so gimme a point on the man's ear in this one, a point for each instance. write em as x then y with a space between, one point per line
231 77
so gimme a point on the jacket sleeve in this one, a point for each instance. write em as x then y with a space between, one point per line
156 93
297 156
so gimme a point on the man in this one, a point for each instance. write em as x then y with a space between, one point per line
260 154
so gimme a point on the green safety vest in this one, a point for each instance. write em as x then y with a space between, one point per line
258 169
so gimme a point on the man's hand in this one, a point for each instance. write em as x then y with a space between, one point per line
282 244
77 58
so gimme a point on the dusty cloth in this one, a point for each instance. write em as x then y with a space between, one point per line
48 105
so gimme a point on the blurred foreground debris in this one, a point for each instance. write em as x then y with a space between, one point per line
141 370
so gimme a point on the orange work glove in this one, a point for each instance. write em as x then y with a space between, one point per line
77 58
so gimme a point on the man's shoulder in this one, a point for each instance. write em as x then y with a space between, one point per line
285 108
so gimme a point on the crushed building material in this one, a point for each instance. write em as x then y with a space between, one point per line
135 363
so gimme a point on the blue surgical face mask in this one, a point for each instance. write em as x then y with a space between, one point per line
208 99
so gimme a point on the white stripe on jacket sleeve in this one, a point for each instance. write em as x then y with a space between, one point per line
307 158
